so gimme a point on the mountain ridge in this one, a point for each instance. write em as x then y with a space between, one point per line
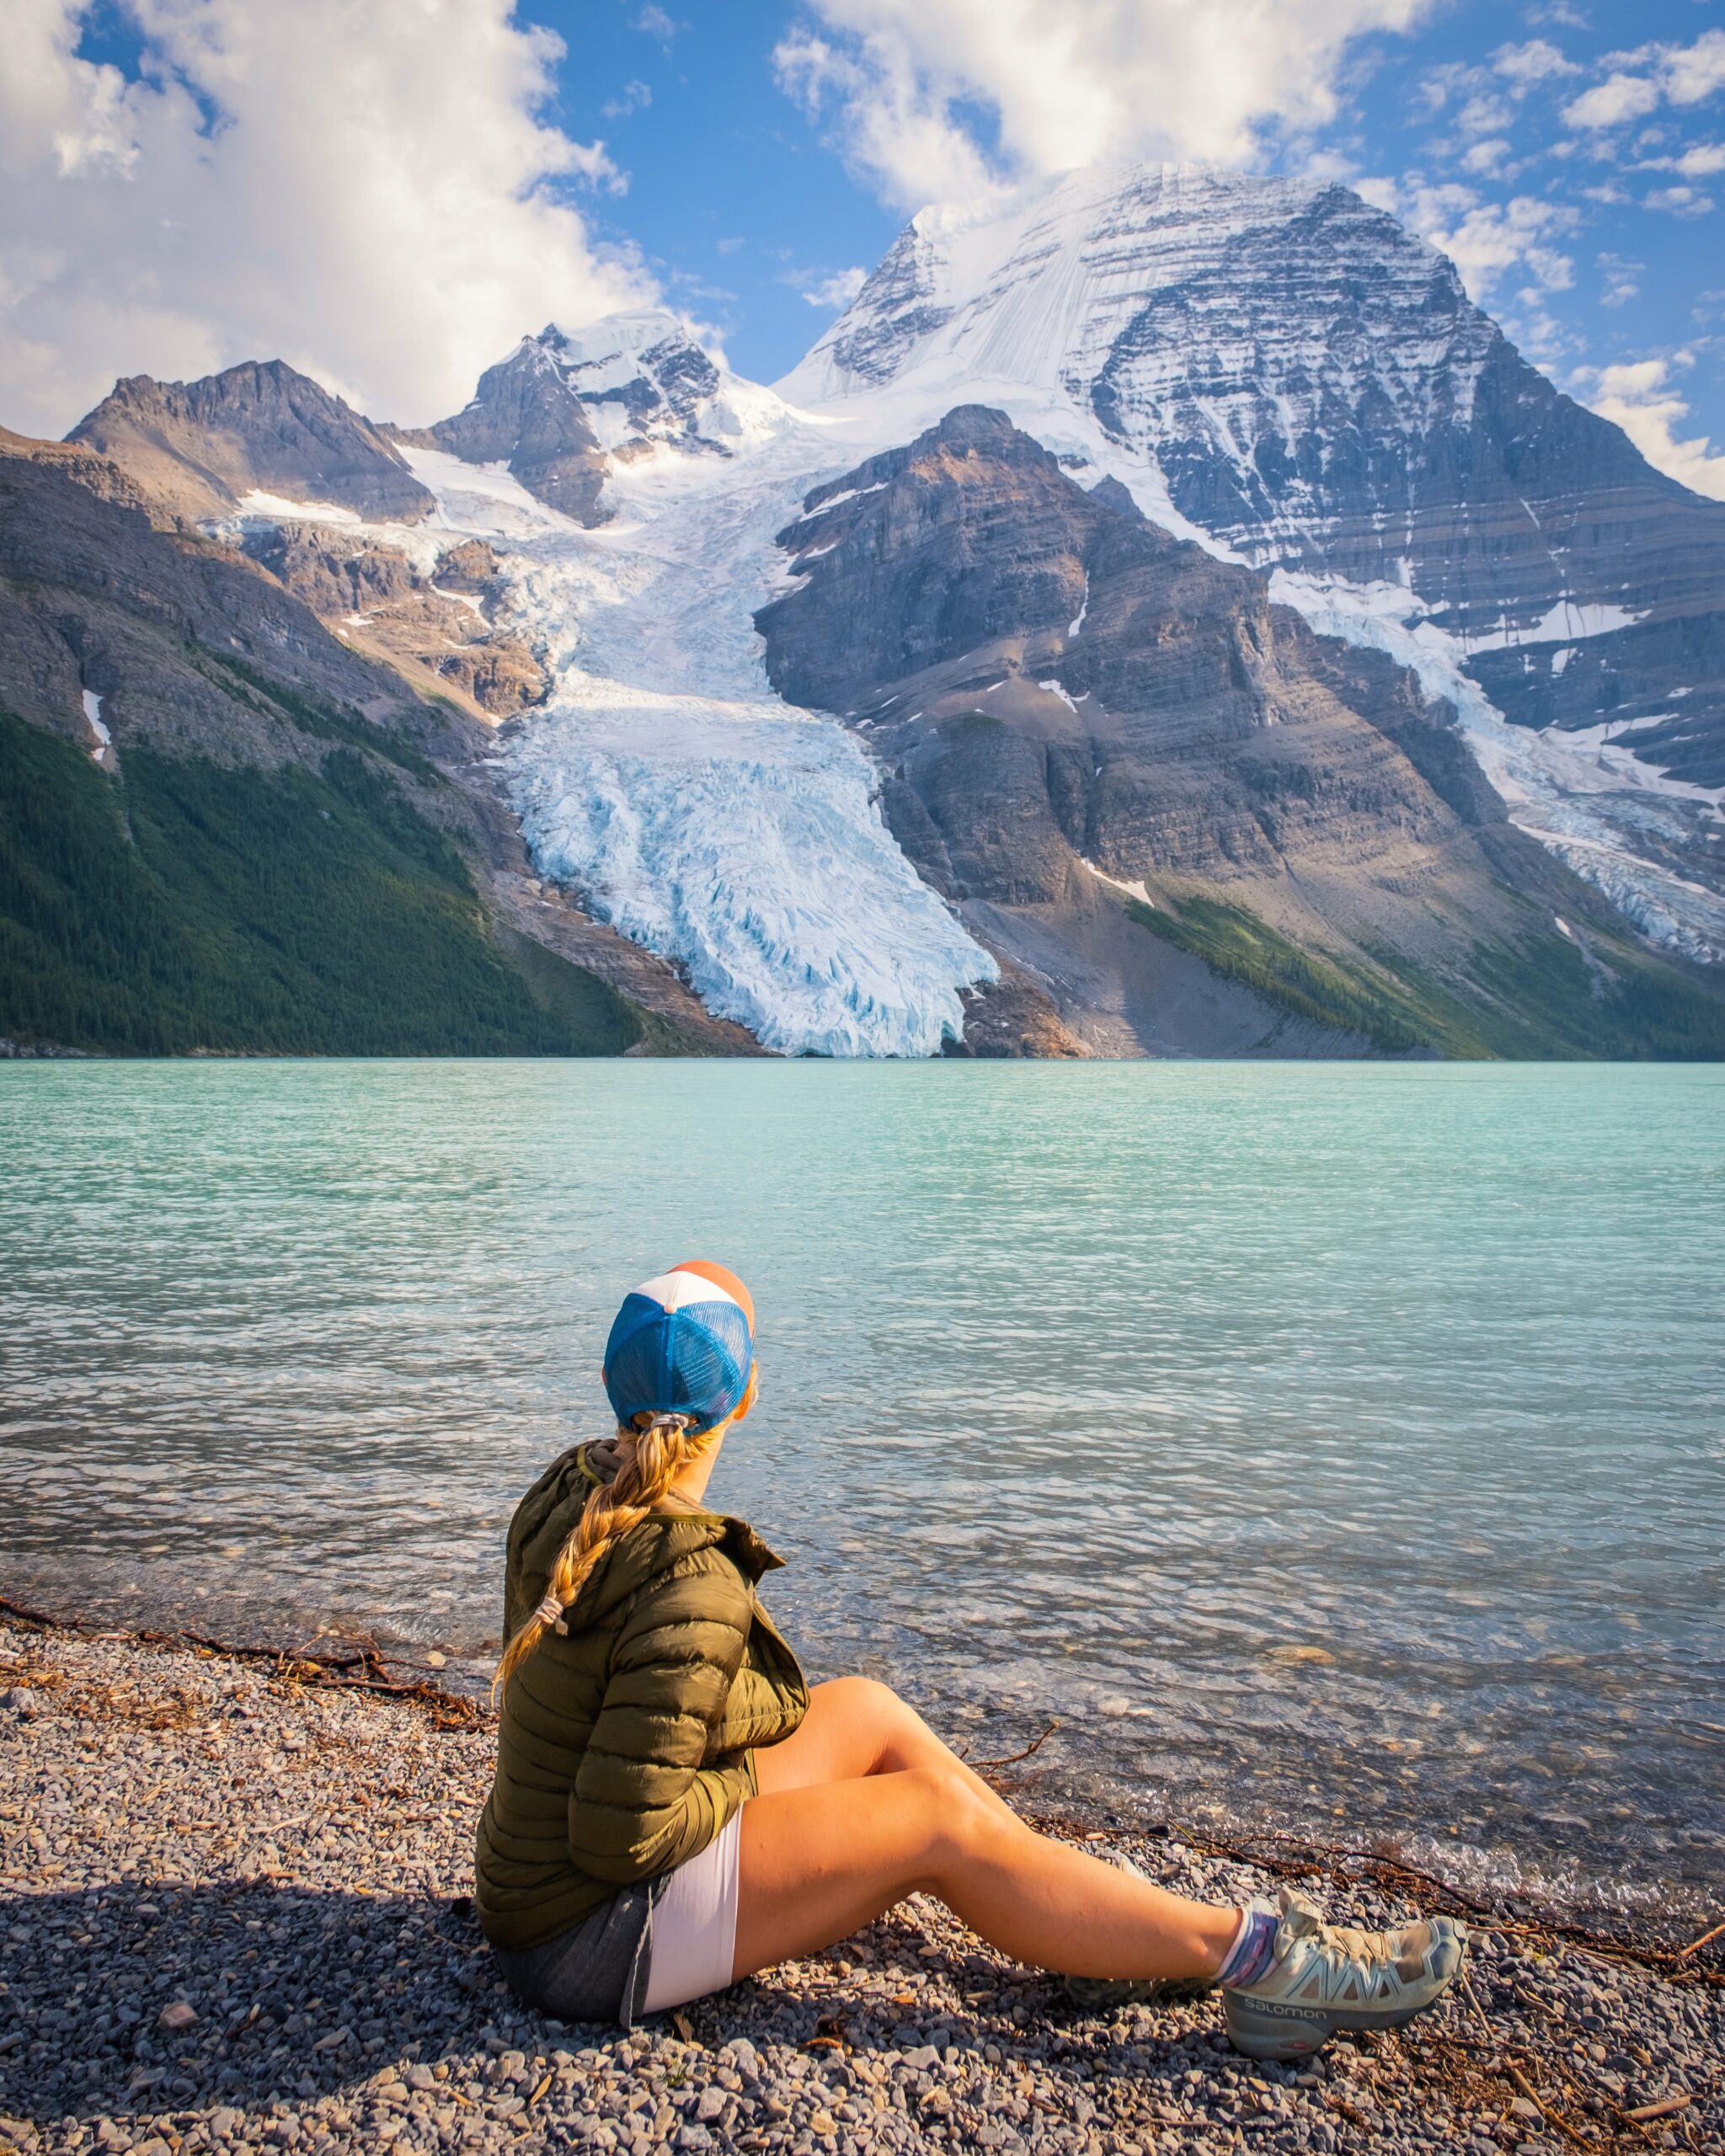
1071 705
198 447
1257 801
1317 393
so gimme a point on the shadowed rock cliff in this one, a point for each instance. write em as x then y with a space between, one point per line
1133 773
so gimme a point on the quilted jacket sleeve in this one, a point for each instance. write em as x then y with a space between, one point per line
643 1801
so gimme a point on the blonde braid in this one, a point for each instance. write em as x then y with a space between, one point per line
651 1458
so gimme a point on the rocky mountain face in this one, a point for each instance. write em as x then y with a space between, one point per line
1179 545
526 415
198 448
563 406
432 625
1314 390
222 829
1123 763
196 455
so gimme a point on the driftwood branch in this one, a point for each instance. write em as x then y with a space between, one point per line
1012 1759
356 1669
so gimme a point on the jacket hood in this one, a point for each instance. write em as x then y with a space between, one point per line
551 1508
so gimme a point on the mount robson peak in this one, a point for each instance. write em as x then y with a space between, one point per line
1161 616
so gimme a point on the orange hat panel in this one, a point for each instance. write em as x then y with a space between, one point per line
721 1276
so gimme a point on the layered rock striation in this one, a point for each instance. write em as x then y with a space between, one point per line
1314 388
1080 718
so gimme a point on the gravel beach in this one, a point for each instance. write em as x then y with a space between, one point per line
234 1916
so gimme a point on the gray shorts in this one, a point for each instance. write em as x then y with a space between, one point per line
595 1972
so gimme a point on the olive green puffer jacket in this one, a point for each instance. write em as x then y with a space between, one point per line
624 1746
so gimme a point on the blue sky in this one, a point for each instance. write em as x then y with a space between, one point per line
389 192
742 199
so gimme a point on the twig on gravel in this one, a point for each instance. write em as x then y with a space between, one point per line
1544 2108
302 1665
1707 1938
1479 2011
1663 2110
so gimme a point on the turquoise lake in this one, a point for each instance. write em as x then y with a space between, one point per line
1331 1446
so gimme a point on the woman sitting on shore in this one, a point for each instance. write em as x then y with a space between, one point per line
675 1808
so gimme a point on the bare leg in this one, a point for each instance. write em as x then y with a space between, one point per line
856 1726
824 1853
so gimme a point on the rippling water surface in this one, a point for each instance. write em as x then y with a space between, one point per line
1332 1445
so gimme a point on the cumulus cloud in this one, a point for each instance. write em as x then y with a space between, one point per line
1691 72
1487 240
1643 399
1679 202
1695 162
1609 103
836 290
371 192
1487 157
1538 61
1684 74
902 81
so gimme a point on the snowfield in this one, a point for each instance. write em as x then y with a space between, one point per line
1593 802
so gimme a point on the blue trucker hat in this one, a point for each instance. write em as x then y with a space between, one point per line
683 1343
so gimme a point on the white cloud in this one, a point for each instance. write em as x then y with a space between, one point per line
1485 240
1621 274
838 290
1382 195
1684 74
1679 202
1609 103
1536 62
1694 71
1483 115
1643 400
366 190
1487 157
653 22
1066 86
633 97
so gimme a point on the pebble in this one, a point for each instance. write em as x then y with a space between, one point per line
236 1919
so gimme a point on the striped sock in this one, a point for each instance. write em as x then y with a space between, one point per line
1253 1949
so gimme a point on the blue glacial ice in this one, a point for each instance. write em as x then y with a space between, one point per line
686 804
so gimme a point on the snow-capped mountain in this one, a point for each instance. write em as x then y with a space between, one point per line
567 407
1282 370
978 775
1312 389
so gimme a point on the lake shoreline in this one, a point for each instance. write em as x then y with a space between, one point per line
236 1914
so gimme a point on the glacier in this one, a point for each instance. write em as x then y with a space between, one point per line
693 810
664 782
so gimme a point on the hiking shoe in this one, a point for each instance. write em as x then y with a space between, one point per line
1326 1977
1103 1994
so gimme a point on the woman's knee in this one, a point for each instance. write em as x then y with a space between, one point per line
866 1705
862 1698
960 1823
